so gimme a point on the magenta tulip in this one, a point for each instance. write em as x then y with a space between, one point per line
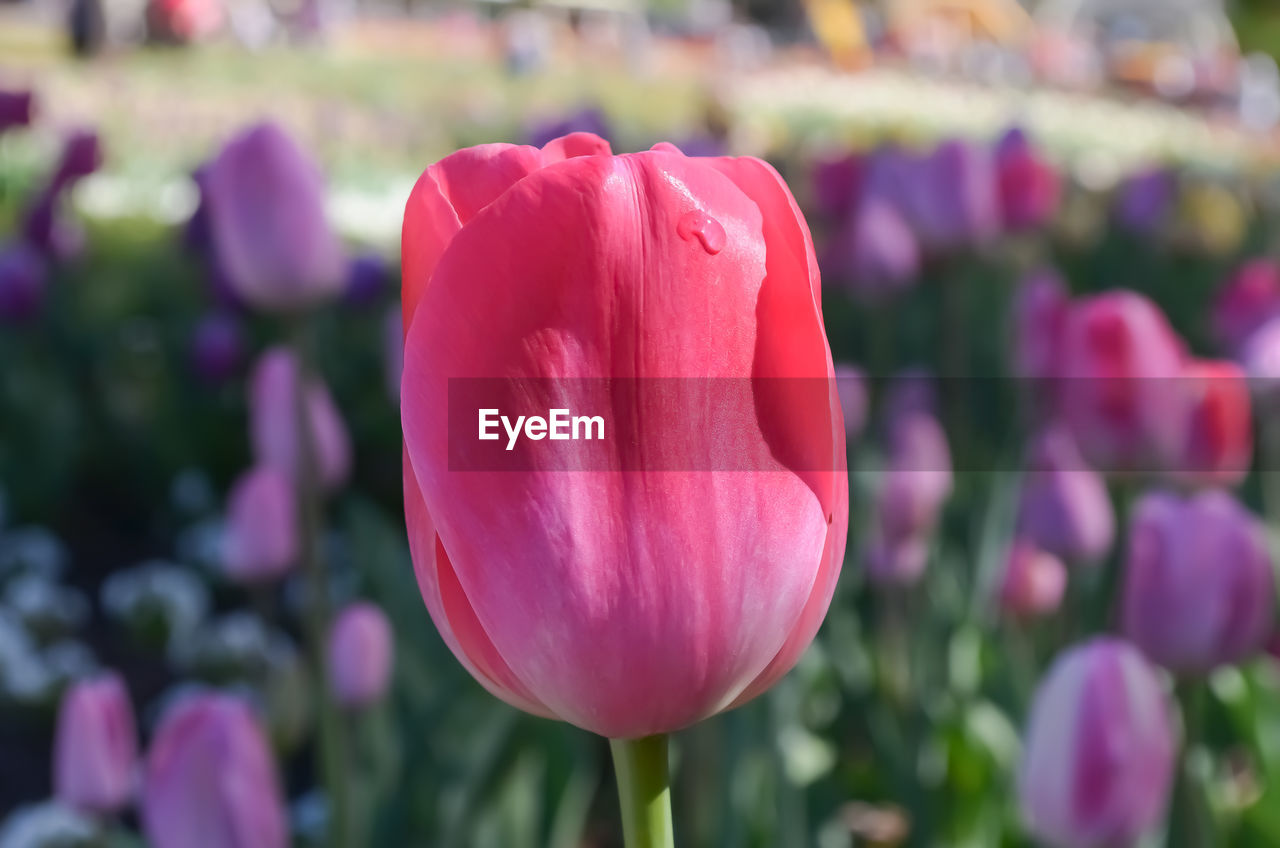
261 538
1033 581
1030 187
81 156
16 108
1198 590
1100 744
265 201
1064 507
360 655
1218 447
1120 391
837 184
96 749
211 781
273 424
645 590
1249 299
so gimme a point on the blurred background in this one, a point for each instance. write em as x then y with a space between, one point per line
975 173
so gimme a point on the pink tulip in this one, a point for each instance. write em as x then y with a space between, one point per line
1099 756
1119 391
1219 433
1064 508
1030 187
1247 300
1041 305
265 202
211 781
96 749
1198 590
261 540
1033 582
622 598
273 408
360 655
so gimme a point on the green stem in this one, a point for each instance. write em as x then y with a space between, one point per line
1192 823
332 733
644 791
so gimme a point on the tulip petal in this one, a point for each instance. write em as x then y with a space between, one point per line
628 602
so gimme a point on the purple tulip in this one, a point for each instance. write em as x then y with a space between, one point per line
267 218
851 384
81 156
1120 390
1260 358
22 283
16 108
360 656
367 279
913 489
261 538
96 748
1030 188
589 119
1033 582
211 780
1065 508
1100 744
1246 301
273 407
46 228
950 196
837 185
217 347
1198 589
876 251
1040 308
1144 200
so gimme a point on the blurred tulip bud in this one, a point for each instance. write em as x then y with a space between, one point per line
46 228
211 780
1100 744
851 384
1219 432
958 205
837 184
1030 187
368 278
393 351
1248 299
266 206
1261 360
81 156
1144 200
1033 582
1198 589
274 422
876 251
1041 305
912 391
16 109
261 539
96 748
22 283
1119 390
1064 508
913 488
361 653
217 347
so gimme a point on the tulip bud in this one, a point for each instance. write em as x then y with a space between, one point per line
15 109
852 387
1198 589
211 780
361 652
96 748
261 539
1145 200
81 156
1248 299
1030 188
267 218
1064 508
958 204
1119 392
1033 582
22 283
1100 744
837 184
1041 305
876 251
273 408
1219 431
217 347
915 485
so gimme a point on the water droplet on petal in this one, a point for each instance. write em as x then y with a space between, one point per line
707 230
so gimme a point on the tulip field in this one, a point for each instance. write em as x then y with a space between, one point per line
934 498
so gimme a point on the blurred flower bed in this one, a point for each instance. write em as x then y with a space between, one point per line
1036 370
